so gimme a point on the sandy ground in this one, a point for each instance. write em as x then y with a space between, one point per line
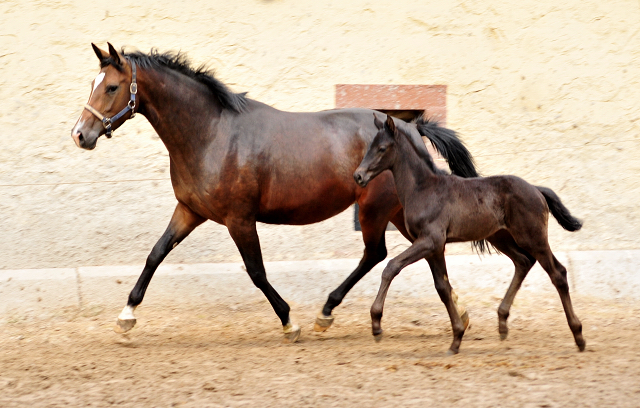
231 355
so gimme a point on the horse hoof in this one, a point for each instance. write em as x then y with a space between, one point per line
503 336
323 323
291 333
123 326
581 344
377 337
451 352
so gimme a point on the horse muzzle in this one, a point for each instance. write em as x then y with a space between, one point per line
361 178
83 141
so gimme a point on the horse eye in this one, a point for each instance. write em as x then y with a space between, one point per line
382 149
112 88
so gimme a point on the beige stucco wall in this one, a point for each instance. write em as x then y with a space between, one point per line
545 90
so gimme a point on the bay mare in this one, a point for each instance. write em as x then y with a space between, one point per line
506 210
237 161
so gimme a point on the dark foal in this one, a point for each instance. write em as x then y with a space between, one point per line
506 210
237 162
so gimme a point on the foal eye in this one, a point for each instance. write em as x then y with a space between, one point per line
382 149
111 88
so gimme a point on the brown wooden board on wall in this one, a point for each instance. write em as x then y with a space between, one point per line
431 99
405 102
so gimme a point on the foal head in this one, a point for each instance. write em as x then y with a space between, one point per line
381 154
112 99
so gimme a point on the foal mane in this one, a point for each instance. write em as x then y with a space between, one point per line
178 61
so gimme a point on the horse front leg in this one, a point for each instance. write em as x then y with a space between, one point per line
418 250
375 207
182 223
441 281
244 234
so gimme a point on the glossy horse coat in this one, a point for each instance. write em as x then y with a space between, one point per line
506 210
237 161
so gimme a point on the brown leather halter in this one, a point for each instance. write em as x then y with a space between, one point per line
131 105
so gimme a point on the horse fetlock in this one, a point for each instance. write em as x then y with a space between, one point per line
503 330
323 322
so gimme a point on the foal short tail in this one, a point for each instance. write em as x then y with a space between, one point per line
559 211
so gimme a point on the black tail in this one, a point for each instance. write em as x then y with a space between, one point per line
559 211
449 145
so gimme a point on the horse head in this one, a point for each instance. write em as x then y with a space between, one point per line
380 154
112 99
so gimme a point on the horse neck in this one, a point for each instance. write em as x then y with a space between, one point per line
411 171
180 109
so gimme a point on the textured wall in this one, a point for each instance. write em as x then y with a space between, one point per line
540 89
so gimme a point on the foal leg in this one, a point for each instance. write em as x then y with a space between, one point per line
558 274
523 262
439 271
245 236
373 215
415 252
398 221
182 223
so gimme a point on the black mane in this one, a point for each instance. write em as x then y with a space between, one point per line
179 62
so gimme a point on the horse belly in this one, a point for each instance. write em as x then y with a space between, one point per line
305 204
473 228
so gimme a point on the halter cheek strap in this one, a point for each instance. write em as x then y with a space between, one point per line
131 105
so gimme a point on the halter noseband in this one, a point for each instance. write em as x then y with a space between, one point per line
131 105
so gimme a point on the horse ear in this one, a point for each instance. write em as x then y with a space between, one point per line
114 54
99 53
377 122
391 125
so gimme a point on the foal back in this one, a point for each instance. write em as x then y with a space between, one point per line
478 208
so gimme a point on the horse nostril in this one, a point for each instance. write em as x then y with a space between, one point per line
81 139
358 177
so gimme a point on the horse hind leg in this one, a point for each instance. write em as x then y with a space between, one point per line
523 263
558 274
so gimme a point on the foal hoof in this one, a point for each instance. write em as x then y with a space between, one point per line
581 344
503 336
291 333
451 352
123 326
323 323
378 337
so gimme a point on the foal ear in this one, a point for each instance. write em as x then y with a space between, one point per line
391 125
114 54
377 122
99 53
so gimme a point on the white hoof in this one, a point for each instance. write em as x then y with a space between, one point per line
291 333
126 320
323 323
123 326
